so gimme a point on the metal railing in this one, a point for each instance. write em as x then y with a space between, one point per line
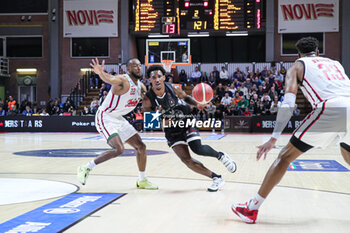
4 66
81 89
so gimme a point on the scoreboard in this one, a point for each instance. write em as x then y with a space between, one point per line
177 17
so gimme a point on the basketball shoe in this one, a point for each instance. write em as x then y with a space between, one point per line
228 162
83 173
218 182
242 211
145 184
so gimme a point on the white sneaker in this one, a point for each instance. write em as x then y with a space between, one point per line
218 182
228 162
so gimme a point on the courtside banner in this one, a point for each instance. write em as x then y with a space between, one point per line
88 18
60 214
47 124
308 16
266 124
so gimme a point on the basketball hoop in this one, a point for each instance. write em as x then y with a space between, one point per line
167 65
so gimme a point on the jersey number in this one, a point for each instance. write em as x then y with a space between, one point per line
331 71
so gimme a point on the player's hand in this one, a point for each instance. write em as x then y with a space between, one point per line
265 148
97 68
201 106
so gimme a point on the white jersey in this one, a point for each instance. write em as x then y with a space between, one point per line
119 105
323 79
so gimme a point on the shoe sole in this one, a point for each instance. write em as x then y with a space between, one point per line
241 216
78 171
139 187
220 186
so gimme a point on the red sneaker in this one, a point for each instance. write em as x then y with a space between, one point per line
242 211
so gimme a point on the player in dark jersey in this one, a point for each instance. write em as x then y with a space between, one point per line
174 105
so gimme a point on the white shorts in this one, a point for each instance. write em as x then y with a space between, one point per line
327 124
109 126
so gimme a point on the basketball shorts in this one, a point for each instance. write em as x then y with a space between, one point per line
109 126
328 123
181 136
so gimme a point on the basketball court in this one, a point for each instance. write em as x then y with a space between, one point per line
38 169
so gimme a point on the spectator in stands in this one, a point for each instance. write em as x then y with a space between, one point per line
100 101
27 111
138 121
237 73
272 92
13 110
266 100
211 110
237 98
94 106
219 92
57 109
274 106
296 111
240 77
236 83
70 112
264 73
11 102
121 71
271 78
252 107
94 80
204 77
249 96
247 71
212 80
216 75
225 101
112 72
202 114
261 110
85 111
255 88
243 103
196 76
224 77
68 104
279 77
264 86
248 84
260 91
240 92
283 71
145 82
182 77
231 89
102 89
244 89
2 111
44 113
24 104
247 112
230 111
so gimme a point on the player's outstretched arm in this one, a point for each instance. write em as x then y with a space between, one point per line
188 99
111 79
286 110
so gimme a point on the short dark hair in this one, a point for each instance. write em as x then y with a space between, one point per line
128 62
307 45
153 68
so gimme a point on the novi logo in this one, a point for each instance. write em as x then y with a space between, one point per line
151 120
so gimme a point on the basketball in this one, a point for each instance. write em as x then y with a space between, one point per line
202 93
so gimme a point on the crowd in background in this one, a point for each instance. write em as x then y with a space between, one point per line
241 93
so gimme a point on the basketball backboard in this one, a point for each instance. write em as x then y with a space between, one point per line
168 52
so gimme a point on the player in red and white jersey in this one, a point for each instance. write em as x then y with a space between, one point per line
126 92
326 86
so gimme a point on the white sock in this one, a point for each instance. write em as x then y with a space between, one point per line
256 202
142 176
91 164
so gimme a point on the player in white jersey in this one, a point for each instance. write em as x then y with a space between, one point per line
126 92
325 84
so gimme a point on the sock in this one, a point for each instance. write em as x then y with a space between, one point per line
142 176
215 175
256 202
91 164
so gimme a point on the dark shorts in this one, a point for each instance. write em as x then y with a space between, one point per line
181 136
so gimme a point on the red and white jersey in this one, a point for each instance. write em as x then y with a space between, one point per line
120 105
324 79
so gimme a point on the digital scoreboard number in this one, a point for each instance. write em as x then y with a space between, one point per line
176 17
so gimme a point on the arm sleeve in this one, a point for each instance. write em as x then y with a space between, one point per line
284 114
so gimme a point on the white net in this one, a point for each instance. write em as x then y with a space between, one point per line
167 64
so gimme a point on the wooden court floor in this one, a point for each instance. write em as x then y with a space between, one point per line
305 201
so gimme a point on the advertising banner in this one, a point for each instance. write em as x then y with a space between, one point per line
308 16
86 18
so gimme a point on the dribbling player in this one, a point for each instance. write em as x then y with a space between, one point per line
174 103
126 92
326 86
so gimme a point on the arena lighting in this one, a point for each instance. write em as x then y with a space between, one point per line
205 4
201 34
243 33
26 70
187 4
156 35
85 69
